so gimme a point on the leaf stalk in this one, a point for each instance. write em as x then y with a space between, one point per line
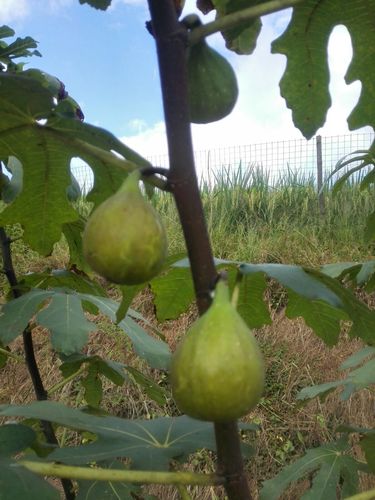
127 476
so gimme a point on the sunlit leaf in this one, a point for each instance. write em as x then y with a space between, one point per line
305 44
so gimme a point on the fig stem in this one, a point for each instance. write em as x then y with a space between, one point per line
172 41
231 20
128 476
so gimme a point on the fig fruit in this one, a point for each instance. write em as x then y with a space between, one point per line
212 84
217 371
124 239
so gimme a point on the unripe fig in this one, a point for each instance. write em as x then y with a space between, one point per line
217 372
212 84
124 239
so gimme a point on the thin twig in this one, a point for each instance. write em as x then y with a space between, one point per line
236 18
40 392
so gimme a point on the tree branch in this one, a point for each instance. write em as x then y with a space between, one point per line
31 363
171 40
236 18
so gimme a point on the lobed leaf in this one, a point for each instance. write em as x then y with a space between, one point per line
16 314
357 379
304 43
65 319
332 467
155 351
150 444
242 38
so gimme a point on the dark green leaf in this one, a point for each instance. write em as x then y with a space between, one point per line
61 278
93 386
128 294
65 319
297 279
251 305
15 438
73 234
332 466
356 380
324 319
154 351
152 390
97 4
242 38
150 444
110 369
6 32
17 483
359 20
16 314
173 293
21 100
13 188
368 446
362 317
305 45
19 48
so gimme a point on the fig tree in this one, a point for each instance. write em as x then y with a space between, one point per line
124 239
217 371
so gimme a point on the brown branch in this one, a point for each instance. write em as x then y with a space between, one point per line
40 392
171 40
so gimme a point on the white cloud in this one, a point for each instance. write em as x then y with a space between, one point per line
260 114
13 10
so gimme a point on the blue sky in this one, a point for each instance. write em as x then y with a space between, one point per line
107 61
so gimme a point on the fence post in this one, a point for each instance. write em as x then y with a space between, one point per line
319 167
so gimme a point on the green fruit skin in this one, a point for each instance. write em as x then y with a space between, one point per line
125 240
212 84
217 372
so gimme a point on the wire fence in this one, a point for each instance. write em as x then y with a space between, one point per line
275 160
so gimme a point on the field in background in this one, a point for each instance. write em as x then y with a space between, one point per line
250 220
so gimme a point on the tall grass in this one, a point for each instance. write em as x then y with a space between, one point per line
254 217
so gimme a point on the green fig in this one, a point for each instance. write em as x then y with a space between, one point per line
217 371
124 239
212 84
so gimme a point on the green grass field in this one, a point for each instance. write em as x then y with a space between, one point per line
251 221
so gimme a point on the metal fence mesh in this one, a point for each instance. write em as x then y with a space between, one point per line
274 159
